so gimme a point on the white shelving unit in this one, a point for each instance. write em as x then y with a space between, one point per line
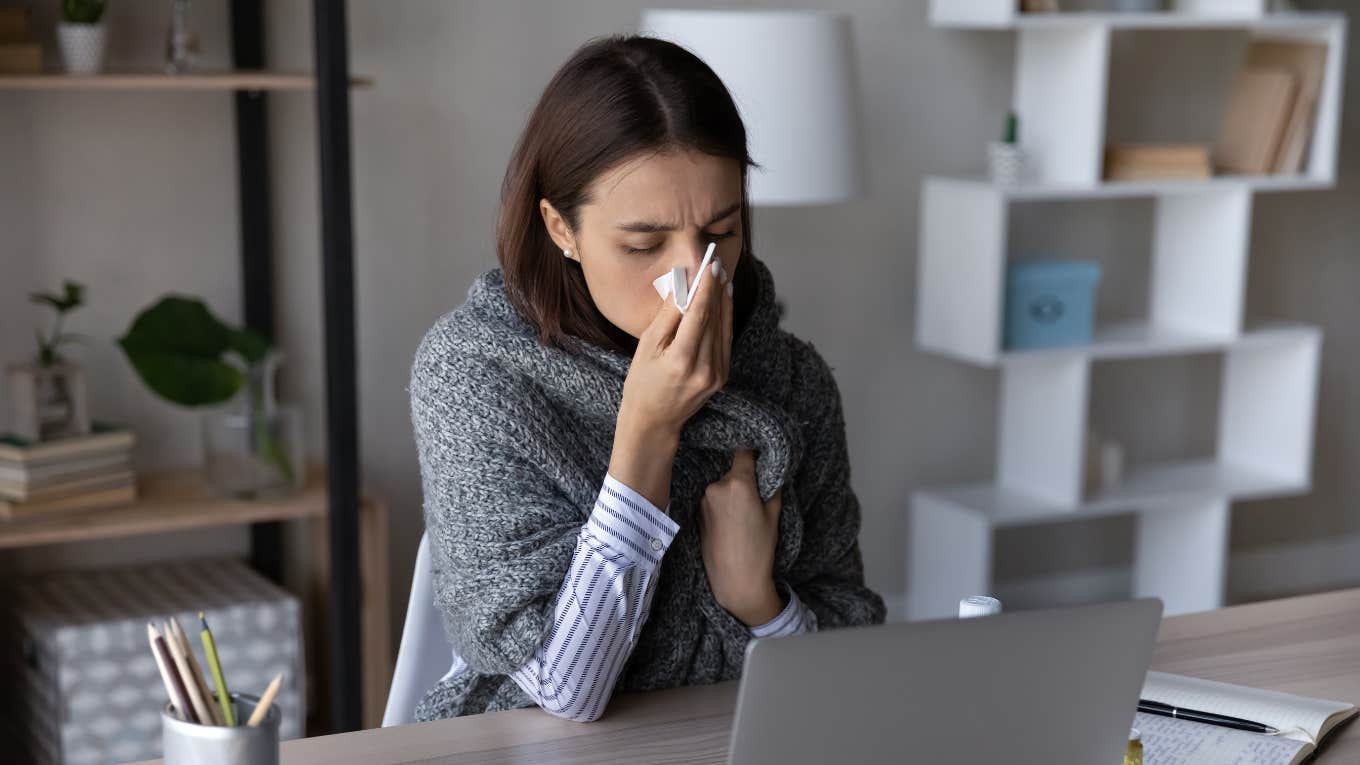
1200 244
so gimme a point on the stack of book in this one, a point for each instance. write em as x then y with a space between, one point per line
1272 108
19 52
1145 162
66 474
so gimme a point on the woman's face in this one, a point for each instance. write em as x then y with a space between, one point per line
647 216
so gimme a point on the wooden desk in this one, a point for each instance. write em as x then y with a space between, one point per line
1308 645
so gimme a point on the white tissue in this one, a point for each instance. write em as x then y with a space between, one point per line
662 284
674 284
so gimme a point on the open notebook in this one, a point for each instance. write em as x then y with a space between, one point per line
1302 722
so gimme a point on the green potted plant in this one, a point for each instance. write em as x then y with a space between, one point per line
81 35
1006 158
47 393
252 446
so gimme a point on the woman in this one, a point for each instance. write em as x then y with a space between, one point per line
619 495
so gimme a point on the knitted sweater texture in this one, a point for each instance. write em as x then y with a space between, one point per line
514 441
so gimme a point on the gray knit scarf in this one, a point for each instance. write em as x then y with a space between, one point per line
514 440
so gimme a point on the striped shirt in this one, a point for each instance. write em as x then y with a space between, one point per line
603 603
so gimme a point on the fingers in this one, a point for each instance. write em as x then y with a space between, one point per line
727 310
698 319
663 326
710 344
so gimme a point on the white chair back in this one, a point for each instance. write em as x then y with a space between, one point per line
425 654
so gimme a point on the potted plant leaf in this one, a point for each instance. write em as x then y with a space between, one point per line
81 35
252 446
47 393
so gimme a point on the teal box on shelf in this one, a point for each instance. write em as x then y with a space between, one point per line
1049 303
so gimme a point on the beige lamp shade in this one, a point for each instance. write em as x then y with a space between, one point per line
791 74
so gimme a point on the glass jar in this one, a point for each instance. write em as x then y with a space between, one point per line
253 447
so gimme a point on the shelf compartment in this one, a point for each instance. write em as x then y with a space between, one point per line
1061 81
210 81
1199 248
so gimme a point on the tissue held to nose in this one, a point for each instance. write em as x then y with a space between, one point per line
673 283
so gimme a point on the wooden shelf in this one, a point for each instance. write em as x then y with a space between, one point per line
213 81
172 500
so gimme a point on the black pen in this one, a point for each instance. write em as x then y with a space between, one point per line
1193 715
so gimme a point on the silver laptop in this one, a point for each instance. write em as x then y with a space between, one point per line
1051 687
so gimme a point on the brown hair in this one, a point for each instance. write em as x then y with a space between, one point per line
615 97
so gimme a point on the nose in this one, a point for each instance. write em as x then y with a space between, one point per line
692 256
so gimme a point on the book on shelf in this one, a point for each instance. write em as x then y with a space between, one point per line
102 439
1272 108
43 475
14 26
1145 162
1307 62
1254 123
1302 722
20 58
66 473
86 500
73 485
19 52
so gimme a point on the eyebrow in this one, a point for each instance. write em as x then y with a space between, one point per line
646 227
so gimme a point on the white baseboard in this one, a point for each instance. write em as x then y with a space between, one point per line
1258 573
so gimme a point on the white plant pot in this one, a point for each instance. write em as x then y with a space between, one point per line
1005 162
82 47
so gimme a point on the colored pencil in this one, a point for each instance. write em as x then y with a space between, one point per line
174 686
262 708
215 666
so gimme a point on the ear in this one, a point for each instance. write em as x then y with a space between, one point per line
558 230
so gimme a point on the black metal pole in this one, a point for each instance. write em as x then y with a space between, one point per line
337 267
257 273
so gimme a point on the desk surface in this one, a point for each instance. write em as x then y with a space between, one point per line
1308 645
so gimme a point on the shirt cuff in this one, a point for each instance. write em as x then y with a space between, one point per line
628 522
790 621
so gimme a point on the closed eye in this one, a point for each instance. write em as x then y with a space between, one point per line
644 250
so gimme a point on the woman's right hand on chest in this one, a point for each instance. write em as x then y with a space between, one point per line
681 360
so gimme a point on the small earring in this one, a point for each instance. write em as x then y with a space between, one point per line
566 253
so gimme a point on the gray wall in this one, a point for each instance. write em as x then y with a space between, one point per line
134 193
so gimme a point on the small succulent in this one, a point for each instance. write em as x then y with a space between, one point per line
1012 132
82 11
71 297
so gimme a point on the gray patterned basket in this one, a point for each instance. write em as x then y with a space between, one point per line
87 686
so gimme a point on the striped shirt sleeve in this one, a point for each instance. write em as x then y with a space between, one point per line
601 607
795 619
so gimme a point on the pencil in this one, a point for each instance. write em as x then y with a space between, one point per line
215 666
262 708
174 687
200 706
194 669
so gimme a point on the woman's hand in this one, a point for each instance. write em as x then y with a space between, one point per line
738 534
681 360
